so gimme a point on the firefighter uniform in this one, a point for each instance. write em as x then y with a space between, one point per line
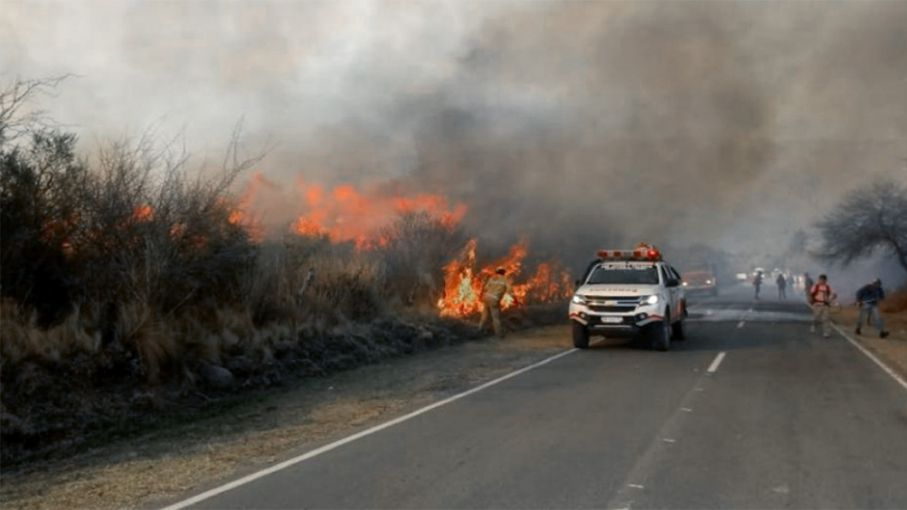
495 289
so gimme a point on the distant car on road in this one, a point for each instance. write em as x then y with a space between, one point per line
700 282
629 293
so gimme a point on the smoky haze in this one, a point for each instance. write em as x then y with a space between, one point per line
573 124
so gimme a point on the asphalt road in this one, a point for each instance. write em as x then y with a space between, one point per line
786 419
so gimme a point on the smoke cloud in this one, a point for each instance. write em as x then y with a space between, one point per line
575 124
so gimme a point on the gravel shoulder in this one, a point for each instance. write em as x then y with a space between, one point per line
160 466
892 350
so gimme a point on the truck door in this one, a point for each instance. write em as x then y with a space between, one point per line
679 303
672 286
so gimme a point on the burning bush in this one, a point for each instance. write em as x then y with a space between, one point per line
464 279
122 272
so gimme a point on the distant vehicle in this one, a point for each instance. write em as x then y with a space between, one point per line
701 282
629 293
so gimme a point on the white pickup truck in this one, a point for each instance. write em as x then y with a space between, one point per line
629 293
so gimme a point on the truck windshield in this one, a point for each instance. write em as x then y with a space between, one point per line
624 275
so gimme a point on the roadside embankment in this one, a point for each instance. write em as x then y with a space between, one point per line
893 349
237 436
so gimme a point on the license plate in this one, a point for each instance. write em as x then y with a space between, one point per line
612 320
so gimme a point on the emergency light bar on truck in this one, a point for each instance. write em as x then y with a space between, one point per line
643 252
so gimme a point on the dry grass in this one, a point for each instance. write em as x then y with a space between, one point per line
22 338
896 302
160 466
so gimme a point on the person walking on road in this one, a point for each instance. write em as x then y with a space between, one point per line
821 297
868 298
782 286
494 291
757 283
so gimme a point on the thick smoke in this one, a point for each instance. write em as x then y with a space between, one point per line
573 124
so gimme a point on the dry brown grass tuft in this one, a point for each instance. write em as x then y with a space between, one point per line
895 302
22 337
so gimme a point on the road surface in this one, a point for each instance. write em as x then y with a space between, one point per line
752 411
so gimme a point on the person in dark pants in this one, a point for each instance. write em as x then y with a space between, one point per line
868 298
781 282
757 283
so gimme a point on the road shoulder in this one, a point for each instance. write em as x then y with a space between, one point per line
892 351
166 463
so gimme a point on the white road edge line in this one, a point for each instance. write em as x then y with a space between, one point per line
740 324
894 375
359 435
717 361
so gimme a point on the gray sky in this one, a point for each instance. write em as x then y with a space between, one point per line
736 122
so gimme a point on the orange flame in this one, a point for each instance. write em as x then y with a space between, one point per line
143 213
346 214
239 215
463 282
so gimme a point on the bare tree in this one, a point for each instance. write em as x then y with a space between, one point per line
14 120
868 219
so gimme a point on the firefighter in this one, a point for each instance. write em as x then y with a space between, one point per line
820 299
757 283
781 282
868 298
492 293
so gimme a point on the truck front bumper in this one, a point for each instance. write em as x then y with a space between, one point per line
613 324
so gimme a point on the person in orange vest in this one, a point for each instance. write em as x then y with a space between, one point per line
493 292
820 299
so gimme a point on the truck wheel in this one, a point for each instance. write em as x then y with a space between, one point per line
661 334
678 331
580 336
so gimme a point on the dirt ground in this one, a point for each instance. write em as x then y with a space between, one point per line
162 465
892 350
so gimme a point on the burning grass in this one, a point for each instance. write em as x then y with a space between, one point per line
130 286
464 279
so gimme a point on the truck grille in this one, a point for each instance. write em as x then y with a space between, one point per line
615 309
613 304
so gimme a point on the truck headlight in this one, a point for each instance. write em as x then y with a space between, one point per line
708 282
580 300
653 299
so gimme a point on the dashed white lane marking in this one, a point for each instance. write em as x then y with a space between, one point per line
636 486
359 435
900 380
668 440
686 409
717 361
740 324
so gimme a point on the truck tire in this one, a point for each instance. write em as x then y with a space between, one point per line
580 336
678 330
660 338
